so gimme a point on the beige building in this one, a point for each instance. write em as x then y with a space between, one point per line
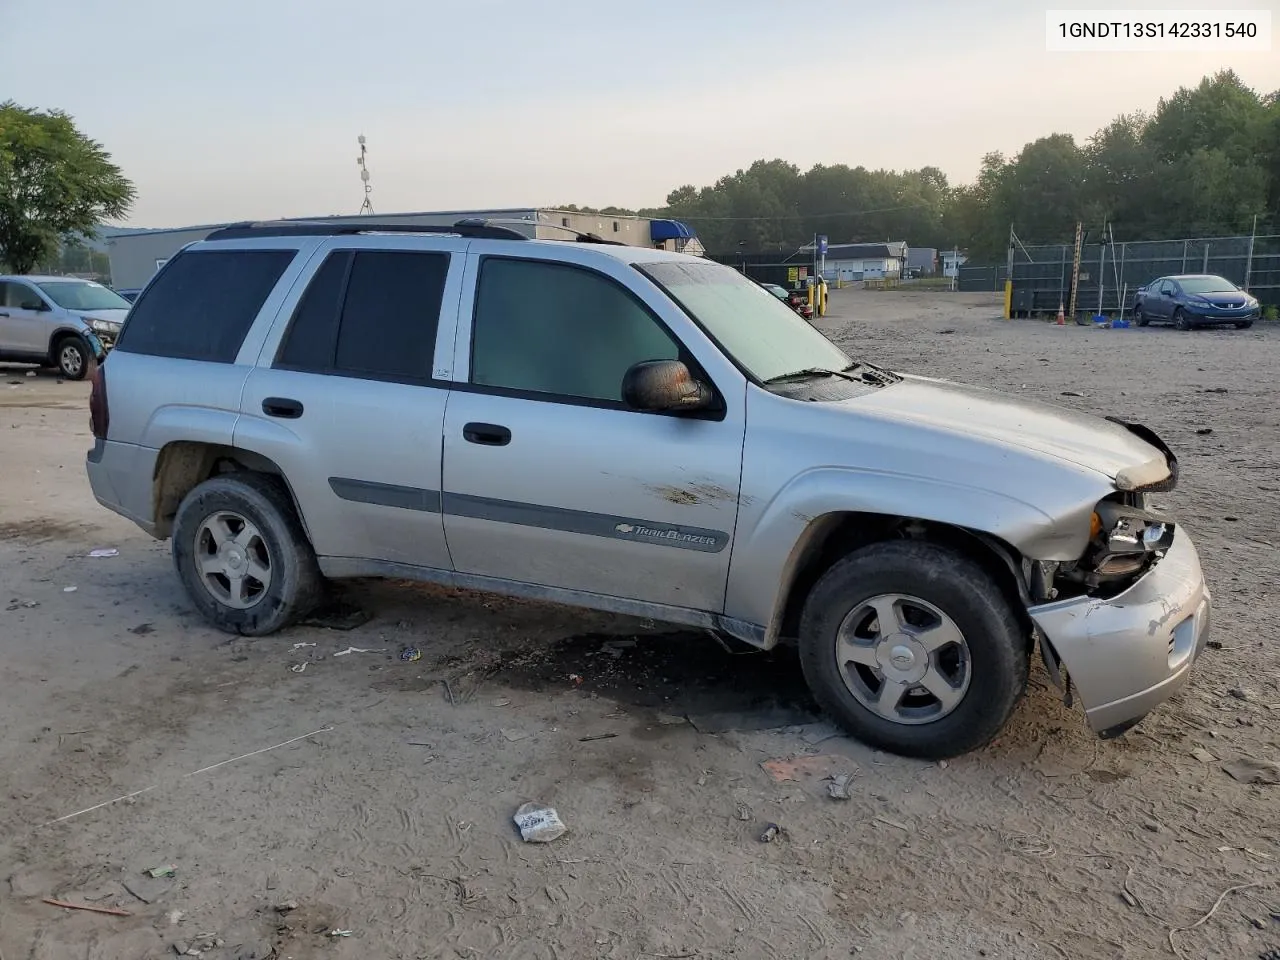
136 256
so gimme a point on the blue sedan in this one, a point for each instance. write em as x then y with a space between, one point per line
1195 301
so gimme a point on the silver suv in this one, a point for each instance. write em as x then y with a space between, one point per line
62 322
642 432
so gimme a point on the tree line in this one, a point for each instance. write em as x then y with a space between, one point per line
1205 162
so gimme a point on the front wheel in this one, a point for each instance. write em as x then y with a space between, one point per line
913 649
243 556
1139 316
72 355
1180 321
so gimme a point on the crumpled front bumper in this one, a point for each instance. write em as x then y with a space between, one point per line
1126 655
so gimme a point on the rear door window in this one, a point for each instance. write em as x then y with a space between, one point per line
203 303
371 314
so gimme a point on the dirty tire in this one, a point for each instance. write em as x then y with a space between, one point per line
1180 320
72 357
958 587
296 584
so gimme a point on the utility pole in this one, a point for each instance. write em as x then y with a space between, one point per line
367 206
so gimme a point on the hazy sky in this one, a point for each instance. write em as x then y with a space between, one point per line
232 109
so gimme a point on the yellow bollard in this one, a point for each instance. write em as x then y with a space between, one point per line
1008 299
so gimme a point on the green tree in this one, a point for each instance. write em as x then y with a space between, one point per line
1043 190
1121 177
1205 194
55 184
1221 113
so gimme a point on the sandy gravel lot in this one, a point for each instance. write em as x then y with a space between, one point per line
390 818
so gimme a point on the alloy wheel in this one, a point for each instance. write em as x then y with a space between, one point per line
903 659
233 560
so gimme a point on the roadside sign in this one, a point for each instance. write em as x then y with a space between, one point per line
793 274
822 245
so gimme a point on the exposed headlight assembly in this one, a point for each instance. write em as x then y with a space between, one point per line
1124 540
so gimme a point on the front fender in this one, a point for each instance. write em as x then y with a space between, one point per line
773 537
80 329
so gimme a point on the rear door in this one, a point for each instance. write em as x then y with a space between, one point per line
549 478
347 397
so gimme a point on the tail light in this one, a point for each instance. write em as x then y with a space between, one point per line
99 414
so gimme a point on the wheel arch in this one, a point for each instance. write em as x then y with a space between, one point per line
61 333
182 465
832 536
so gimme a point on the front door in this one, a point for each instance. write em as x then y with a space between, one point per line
1165 303
549 478
24 320
346 401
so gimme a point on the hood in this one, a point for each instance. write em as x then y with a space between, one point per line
1235 298
1082 439
111 316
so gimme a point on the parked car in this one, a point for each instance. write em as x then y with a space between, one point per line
1189 301
130 294
797 301
917 538
61 322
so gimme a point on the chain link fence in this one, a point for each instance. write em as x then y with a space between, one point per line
1110 273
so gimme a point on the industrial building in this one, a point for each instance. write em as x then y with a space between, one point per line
136 256
851 262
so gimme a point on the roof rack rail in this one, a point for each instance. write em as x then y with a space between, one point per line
578 235
472 229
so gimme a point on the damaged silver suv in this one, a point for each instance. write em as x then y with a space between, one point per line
637 431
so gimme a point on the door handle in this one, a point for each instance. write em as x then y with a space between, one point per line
488 434
282 407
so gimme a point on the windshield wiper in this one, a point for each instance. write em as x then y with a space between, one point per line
819 372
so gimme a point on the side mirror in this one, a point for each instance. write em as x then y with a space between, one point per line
664 385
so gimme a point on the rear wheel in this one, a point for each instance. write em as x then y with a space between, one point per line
1180 321
72 357
914 649
243 556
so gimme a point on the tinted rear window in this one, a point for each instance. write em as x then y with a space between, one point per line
203 303
371 314
309 343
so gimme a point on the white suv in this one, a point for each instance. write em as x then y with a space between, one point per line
642 432
62 322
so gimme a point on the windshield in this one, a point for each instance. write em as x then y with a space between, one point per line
1208 285
82 295
766 337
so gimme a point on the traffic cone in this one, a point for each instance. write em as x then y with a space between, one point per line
1062 317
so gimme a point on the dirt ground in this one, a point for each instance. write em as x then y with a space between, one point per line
386 813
